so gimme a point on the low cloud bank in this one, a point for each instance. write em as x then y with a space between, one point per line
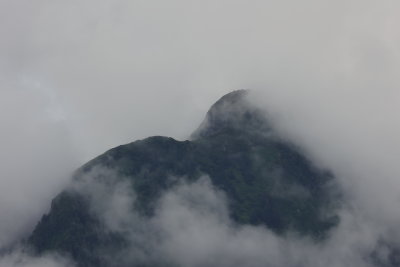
20 258
191 227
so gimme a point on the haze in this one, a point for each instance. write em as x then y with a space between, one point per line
80 77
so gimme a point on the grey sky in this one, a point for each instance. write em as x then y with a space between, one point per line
79 77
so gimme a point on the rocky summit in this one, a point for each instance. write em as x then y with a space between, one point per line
267 182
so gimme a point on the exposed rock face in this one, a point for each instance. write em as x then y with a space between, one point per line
233 113
267 182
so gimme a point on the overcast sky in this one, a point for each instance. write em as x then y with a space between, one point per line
79 77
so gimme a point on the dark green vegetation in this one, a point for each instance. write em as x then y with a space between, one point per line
267 182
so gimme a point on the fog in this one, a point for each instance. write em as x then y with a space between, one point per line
19 258
191 226
79 77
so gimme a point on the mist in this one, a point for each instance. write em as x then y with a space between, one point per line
80 77
191 226
19 258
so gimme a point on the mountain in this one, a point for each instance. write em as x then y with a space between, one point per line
267 181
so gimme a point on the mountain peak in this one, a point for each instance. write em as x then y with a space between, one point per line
232 113
265 181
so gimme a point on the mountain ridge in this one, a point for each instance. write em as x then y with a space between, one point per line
234 148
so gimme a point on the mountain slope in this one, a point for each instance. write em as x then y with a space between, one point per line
266 181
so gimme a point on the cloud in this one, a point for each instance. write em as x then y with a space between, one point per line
357 140
191 227
124 70
19 258
36 159
79 77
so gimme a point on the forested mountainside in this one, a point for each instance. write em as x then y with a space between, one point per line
266 180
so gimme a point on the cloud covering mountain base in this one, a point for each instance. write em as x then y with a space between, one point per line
192 227
79 77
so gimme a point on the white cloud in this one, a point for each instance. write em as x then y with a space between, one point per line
19 258
191 227
79 77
